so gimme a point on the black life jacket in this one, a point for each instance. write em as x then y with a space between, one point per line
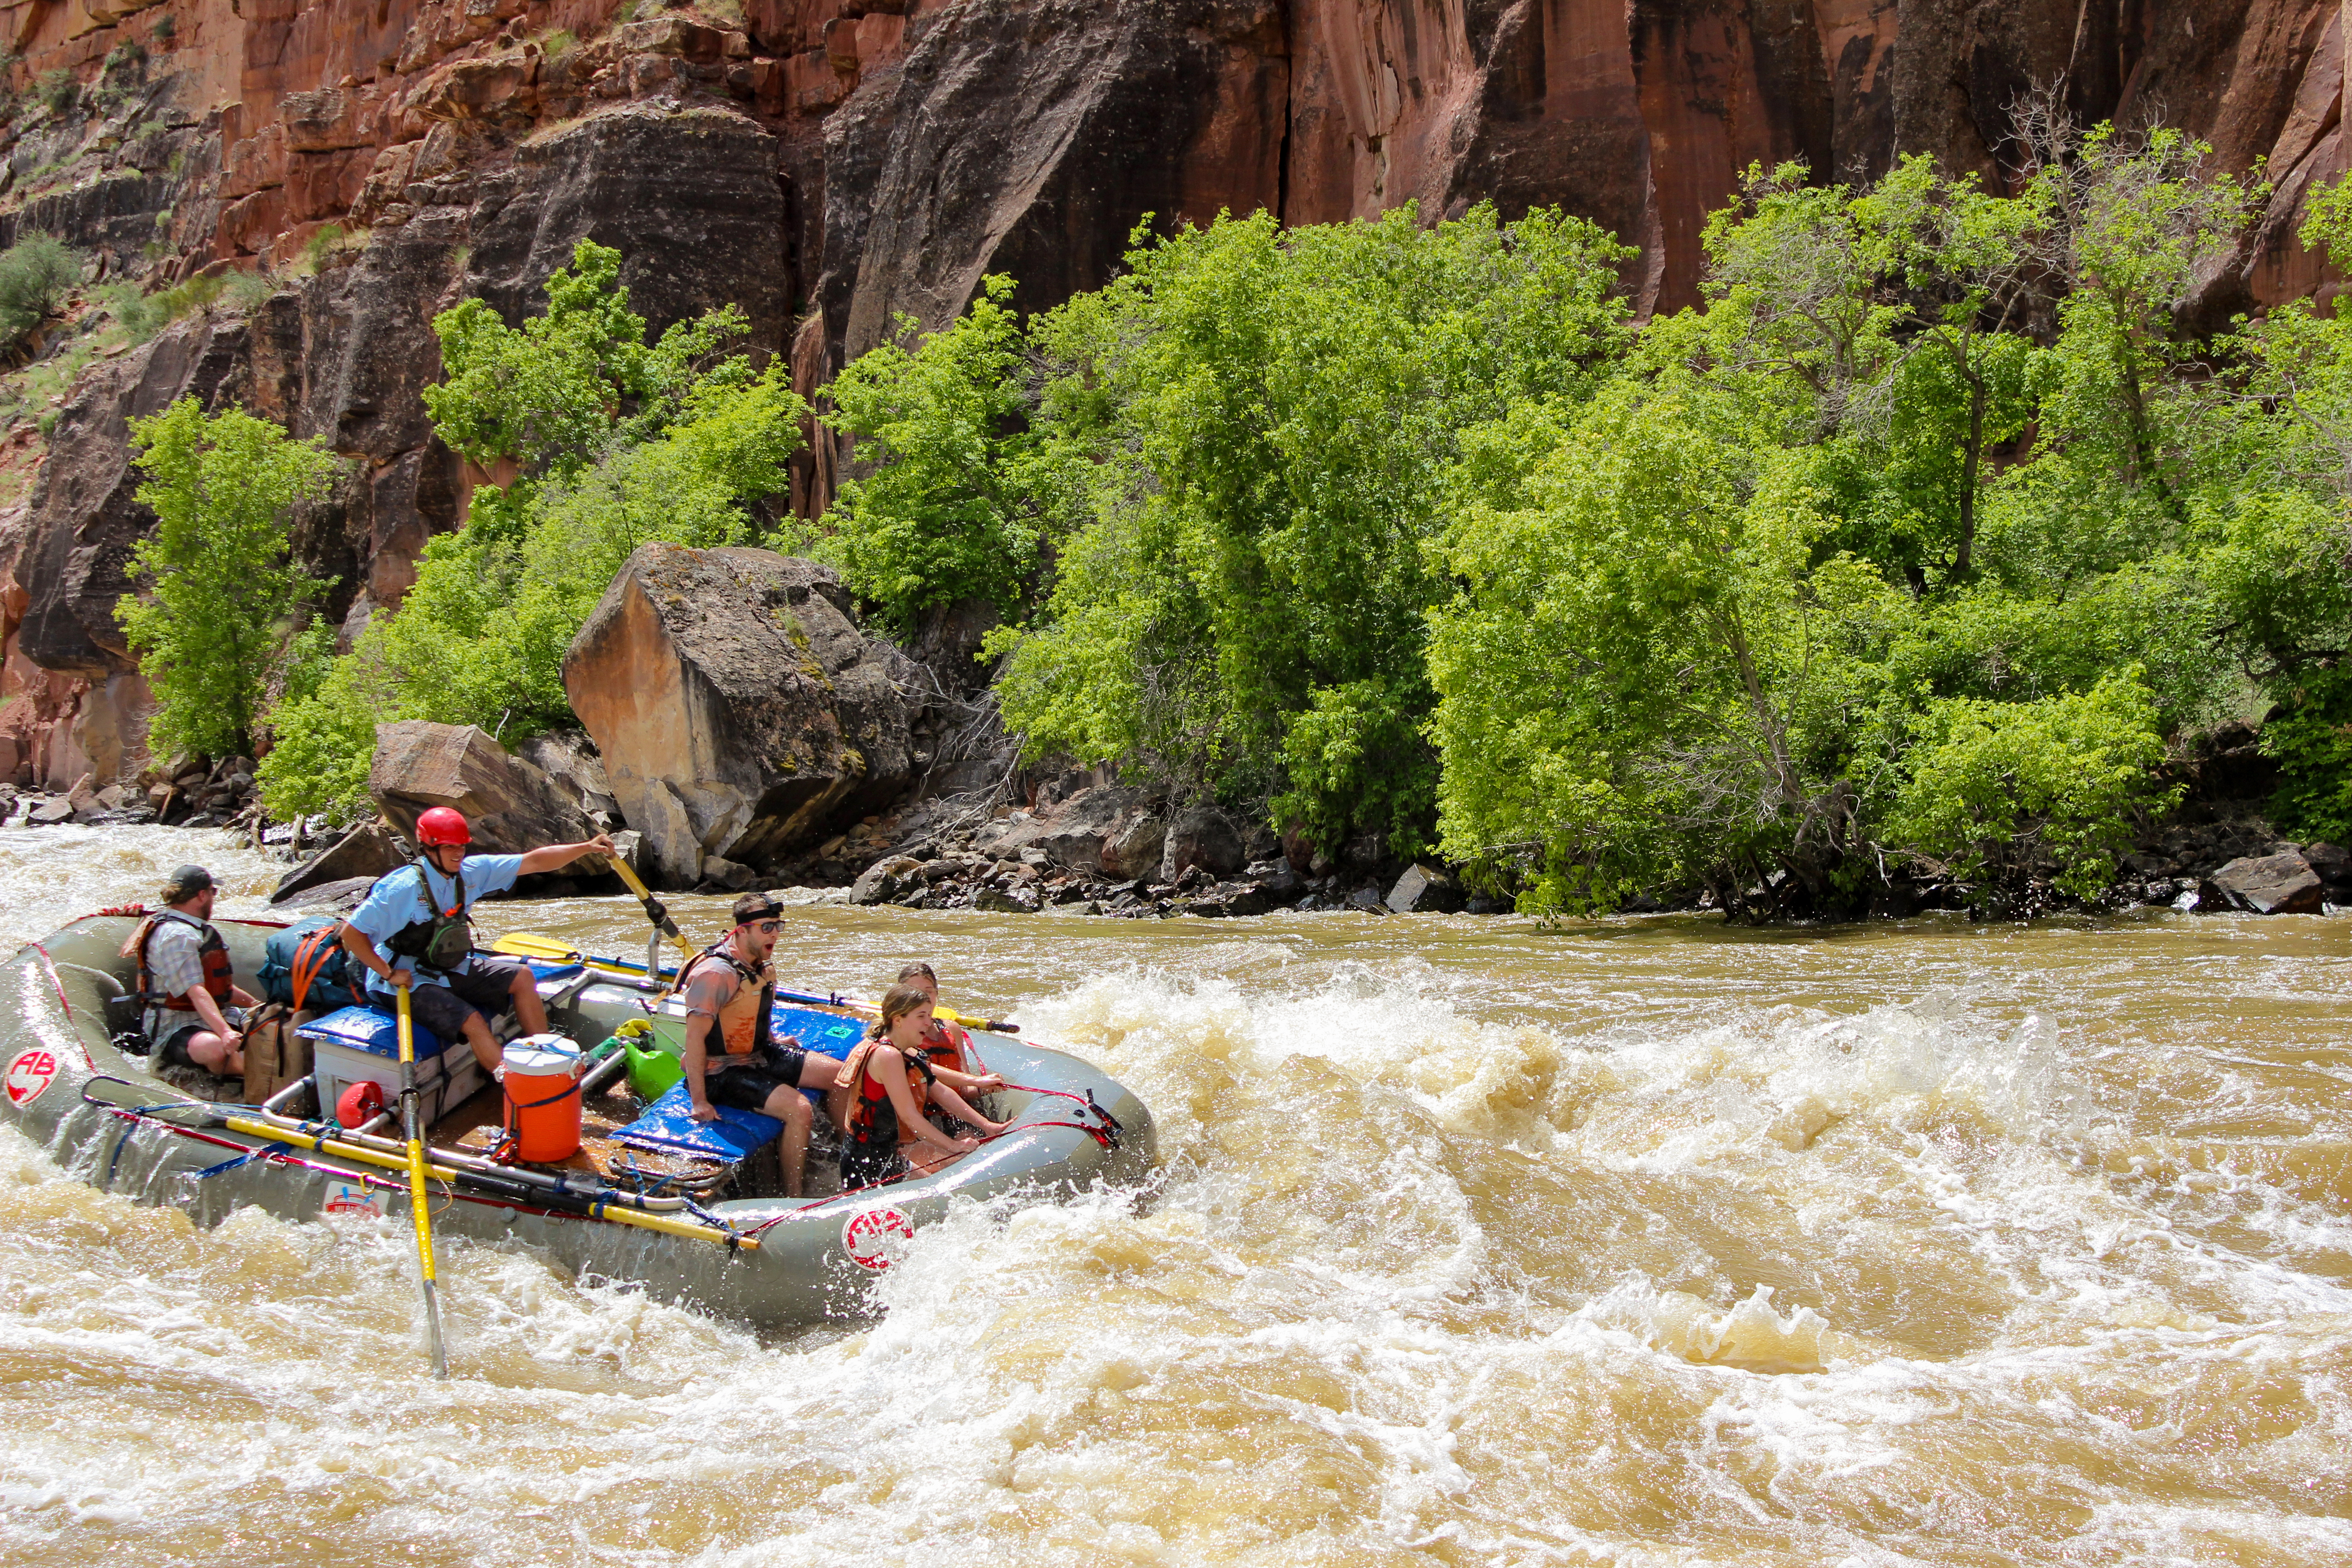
442 941
872 1117
738 1036
219 974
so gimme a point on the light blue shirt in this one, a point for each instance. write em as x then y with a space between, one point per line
397 901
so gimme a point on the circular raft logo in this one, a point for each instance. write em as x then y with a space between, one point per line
874 1238
29 1074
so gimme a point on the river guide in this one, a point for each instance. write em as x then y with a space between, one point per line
691 1212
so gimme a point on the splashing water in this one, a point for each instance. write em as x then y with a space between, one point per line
1643 1242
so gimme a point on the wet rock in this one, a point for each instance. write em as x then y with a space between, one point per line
364 852
569 759
1007 900
509 805
1199 837
2334 865
728 875
886 879
1424 889
2268 885
1279 880
1366 900
1135 849
739 709
341 897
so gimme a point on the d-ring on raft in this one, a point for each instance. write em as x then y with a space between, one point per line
637 1206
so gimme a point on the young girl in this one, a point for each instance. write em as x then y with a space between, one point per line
885 1106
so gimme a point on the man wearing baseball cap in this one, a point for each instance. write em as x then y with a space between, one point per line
419 915
194 1009
732 1057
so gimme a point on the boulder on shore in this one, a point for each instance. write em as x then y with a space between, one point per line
739 709
1424 889
2281 884
509 805
1071 833
365 851
1200 835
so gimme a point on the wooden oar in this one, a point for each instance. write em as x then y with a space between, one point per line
420 1207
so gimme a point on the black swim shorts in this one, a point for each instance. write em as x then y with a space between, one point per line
746 1082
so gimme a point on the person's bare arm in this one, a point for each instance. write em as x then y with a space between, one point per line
969 1083
356 943
556 856
209 1011
695 1060
892 1068
955 1105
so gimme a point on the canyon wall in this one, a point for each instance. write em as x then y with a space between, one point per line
833 164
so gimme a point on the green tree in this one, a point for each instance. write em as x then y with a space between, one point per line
1252 431
949 514
219 588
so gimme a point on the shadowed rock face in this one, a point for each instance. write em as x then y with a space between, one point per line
738 707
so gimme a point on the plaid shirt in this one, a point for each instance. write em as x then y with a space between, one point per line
175 966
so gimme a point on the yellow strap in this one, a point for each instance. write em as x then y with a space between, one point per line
342 1150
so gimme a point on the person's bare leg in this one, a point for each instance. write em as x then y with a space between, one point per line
222 1058
485 1044
529 1012
791 1107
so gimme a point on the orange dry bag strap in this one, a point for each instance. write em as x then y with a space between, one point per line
311 956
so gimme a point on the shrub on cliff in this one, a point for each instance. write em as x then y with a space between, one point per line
209 627
35 275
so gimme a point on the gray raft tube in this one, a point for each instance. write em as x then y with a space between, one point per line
768 1262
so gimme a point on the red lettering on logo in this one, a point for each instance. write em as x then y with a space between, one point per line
874 1238
29 1074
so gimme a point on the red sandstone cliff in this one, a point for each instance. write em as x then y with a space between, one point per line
828 163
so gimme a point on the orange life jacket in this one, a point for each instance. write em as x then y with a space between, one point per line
743 1025
859 1104
949 1046
219 974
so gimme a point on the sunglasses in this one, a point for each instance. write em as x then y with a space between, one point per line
769 928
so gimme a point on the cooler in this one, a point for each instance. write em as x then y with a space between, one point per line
360 1045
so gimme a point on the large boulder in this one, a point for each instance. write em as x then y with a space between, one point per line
1071 831
1134 849
1201 836
509 805
365 851
740 710
2281 884
1425 889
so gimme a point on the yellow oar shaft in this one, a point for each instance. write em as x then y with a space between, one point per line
419 1209
531 945
320 1145
646 896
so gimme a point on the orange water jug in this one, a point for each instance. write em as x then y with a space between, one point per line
542 1095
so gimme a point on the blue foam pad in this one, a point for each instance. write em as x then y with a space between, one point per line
826 1033
669 1123
365 1029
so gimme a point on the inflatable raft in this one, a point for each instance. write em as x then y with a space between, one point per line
692 1213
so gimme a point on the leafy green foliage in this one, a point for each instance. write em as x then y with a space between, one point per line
209 628
947 515
35 275
1245 444
2004 785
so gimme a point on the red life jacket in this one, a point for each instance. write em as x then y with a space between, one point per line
219 974
861 1103
949 1046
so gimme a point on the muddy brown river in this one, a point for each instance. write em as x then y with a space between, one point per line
1636 1242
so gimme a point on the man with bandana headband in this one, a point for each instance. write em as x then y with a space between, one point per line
730 1058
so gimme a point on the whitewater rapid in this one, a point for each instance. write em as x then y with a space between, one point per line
1472 1242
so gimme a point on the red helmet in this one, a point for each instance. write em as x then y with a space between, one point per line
442 825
